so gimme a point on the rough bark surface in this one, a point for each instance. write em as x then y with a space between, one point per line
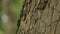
40 17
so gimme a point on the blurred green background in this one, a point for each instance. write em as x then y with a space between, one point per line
9 15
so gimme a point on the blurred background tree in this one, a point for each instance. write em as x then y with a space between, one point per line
9 11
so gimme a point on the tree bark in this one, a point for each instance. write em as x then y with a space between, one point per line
39 17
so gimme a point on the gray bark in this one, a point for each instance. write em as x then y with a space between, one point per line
40 17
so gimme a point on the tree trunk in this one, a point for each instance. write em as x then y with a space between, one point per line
40 17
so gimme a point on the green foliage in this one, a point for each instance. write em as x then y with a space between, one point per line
0 5
1 32
16 6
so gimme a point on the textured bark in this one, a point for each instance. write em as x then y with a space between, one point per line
40 17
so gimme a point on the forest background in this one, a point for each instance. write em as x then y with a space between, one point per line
9 15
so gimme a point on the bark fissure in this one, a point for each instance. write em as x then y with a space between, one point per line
39 17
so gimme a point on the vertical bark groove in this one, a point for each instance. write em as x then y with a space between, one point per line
39 17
